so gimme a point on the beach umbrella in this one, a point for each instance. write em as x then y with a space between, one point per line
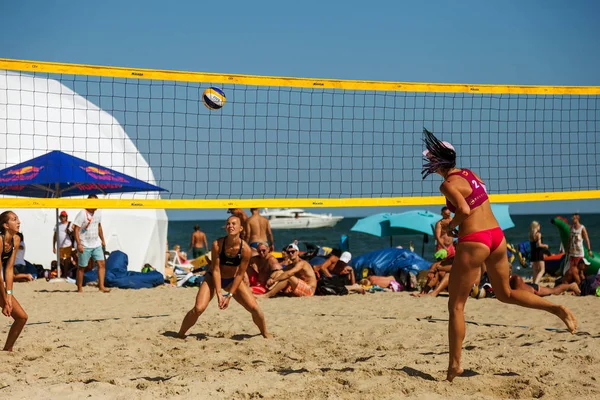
503 216
416 221
420 221
57 174
377 225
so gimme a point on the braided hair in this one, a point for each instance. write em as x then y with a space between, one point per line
439 157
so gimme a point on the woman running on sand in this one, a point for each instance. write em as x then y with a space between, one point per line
9 226
480 240
230 256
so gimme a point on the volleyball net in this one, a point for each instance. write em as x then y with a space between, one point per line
293 142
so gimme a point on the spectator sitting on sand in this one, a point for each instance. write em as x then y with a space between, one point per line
297 279
21 272
337 266
438 278
330 260
576 273
261 268
516 282
182 255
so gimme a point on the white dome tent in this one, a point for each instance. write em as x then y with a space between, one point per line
38 115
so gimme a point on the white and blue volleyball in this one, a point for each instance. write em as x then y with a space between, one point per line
213 98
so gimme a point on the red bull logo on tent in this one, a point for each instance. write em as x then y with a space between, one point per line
103 174
20 174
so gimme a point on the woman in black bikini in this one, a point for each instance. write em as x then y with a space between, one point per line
230 256
537 252
9 226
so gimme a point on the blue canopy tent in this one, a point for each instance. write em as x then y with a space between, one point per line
57 174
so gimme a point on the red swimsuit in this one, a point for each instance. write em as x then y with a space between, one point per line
492 238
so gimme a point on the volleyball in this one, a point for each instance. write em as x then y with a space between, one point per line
213 98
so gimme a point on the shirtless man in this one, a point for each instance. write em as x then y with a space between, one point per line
241 214
258 229
338 266
516 282
442 239
297 279
576 273
198 244
262 267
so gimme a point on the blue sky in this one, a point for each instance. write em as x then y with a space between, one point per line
511 42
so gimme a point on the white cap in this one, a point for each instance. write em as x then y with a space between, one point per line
292 246
346 257
446 144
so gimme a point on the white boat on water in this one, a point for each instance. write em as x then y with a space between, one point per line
296 218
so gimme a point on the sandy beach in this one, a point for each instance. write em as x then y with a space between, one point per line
121 346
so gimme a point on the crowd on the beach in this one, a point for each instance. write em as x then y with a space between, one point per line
269 272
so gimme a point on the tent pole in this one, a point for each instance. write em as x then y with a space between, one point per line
57 246
57 195
423 248
391 245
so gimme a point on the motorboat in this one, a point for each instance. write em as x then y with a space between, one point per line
296 218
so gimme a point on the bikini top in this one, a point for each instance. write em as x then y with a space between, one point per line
478 191
231 261
6 254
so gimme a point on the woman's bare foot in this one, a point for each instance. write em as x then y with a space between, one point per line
104 290
267 335
453 372
568 318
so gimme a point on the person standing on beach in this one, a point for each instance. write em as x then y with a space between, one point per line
480 240
537 252
65 243
578 235
9 227
230 257
442 239
198 244
90 244
258 230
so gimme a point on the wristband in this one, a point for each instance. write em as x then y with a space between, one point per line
227 294
8 291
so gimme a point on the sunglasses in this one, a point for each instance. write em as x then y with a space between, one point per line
262 250
63 216
291 251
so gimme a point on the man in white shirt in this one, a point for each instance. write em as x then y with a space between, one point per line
90 244
576 250
65 243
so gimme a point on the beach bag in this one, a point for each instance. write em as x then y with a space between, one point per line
588 286
333 286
